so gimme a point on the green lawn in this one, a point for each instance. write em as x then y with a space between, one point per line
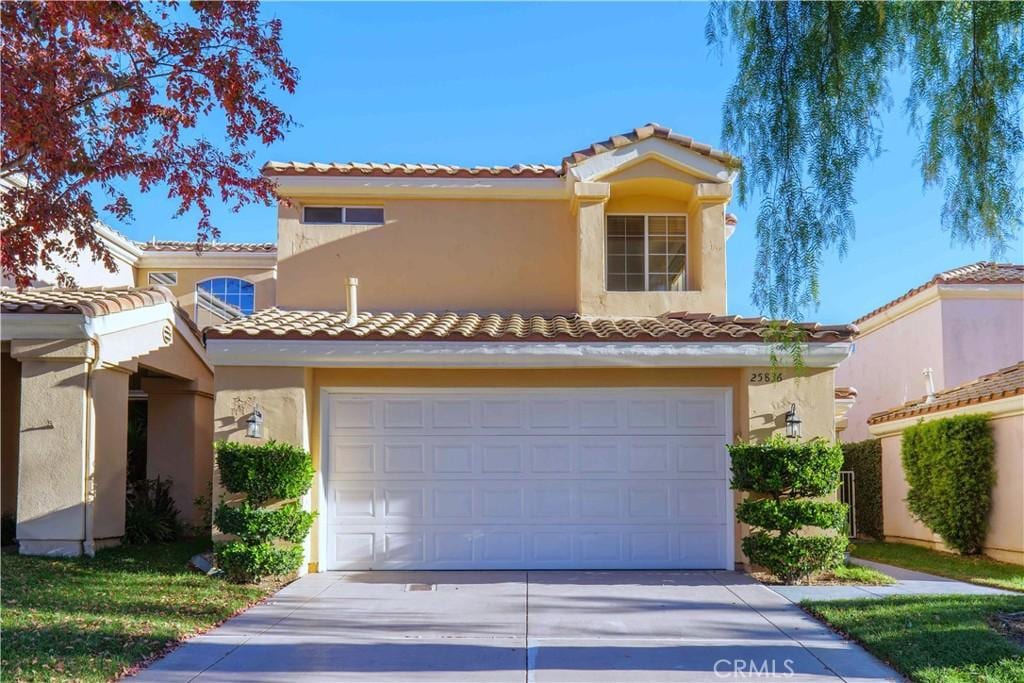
852 574
975 569
932 639
90 619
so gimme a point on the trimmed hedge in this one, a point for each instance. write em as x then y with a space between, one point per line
949 467
784 474
256 525
268 536
248 563
864 459
270 471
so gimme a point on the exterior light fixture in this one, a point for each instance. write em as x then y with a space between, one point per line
254 425
792 423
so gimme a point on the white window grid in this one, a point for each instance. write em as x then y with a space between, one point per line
664 256
344 214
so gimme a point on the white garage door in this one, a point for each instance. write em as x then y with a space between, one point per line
527 479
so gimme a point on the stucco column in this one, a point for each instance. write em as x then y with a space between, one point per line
708 261
179 441
588 202
55 462
110 409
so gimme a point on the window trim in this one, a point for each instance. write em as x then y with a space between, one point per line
647 253
195 292
150 274
344 210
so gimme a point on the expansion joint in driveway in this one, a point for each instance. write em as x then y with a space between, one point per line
269 626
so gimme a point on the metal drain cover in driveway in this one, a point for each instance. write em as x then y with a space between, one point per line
410 587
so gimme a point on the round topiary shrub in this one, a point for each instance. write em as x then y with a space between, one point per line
269 524
785 475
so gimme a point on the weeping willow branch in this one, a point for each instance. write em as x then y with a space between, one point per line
804 112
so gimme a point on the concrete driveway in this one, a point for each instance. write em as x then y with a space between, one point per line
521 626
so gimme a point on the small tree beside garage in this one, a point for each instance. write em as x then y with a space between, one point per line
269 524
784 477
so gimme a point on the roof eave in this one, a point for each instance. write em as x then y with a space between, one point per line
504 354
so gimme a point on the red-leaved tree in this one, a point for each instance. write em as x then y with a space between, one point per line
98 93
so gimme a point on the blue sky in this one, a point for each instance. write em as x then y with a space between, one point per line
503 83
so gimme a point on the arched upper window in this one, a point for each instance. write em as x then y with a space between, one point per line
223 298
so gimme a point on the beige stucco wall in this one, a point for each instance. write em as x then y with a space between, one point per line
1005 539
290 398
651 188
110 415
502 255
432 255
10 415
53 453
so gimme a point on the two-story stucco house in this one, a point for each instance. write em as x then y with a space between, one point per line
961 324
507 367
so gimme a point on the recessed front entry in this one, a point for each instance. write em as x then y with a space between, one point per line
526 479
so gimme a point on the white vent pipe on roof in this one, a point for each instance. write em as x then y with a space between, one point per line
929 381
351 301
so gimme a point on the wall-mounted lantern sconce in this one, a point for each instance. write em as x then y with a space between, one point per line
792 423
254 425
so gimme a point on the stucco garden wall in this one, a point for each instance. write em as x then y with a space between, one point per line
1005 539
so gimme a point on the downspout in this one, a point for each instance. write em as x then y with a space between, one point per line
88 542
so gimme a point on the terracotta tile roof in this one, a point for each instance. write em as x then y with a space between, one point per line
352 168
982 272
845 393
1000 384
279 324
89 301
651 130
172 245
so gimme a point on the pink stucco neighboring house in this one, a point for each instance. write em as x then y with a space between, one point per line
961 324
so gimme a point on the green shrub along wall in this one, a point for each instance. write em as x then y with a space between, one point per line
949 467
269 525
784 475
864 459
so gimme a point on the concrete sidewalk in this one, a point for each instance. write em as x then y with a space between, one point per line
907 583
521 626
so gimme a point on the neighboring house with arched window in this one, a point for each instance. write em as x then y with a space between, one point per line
123 347
212 283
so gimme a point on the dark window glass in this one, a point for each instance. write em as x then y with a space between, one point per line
364 214
322 214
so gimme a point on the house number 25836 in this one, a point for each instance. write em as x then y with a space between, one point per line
765 377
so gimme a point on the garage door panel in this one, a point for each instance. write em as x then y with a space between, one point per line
650 411
543 503
552 457
525 547
526 479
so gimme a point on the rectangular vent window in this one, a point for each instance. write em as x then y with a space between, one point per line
355 215
166 279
